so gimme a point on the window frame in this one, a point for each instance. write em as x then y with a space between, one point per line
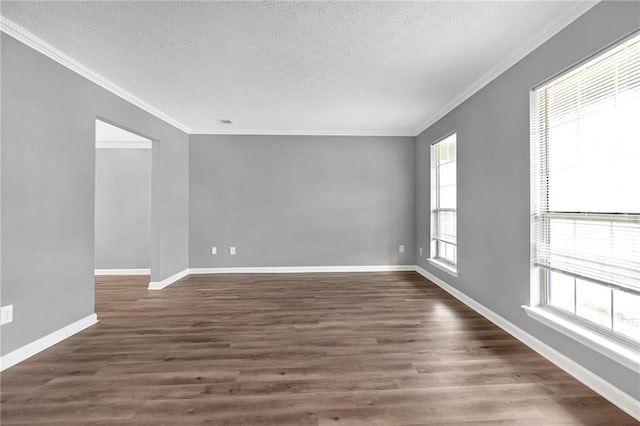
581 321
617 346
435 258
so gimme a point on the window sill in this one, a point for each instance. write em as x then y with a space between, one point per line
443 266
619 351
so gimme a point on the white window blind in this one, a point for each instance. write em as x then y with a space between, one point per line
586 171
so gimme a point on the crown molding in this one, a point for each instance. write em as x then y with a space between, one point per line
240 132
16 31
535 42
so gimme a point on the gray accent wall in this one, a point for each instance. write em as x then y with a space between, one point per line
301 200
48 155
123 208
493 182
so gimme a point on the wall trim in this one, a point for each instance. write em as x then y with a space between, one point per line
159 285
21 34
39 345
123 145
301 269
36 43
617 397
141 271
258 132
538 40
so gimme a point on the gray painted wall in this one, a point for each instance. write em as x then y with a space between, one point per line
123 208
48 155
301 200
493 182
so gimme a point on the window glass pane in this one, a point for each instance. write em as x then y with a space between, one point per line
599 248
448 174
446 251
447 150
593 302
626 318
442 225
434 178
454 226
447 226
562 235
449 253
561 291
596 151
448 197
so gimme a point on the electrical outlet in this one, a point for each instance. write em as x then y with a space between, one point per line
6 314
214 250
420 251
232 251
401 249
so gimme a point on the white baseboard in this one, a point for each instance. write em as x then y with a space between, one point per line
301 269
122 271
159 285
621 399
30 349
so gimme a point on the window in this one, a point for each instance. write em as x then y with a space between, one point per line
443 203
585 140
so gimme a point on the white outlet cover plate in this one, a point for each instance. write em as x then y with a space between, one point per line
6 314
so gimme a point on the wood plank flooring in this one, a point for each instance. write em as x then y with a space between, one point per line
293 349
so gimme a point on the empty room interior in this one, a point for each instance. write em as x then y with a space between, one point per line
319 213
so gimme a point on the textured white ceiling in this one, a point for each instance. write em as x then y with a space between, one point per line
307 67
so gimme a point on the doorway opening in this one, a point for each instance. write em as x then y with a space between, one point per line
122 201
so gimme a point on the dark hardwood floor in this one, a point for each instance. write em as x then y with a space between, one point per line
300 349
